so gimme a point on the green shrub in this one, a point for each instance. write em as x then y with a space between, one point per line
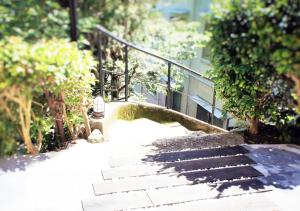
33 19
243 69
40 19
42 82
8 137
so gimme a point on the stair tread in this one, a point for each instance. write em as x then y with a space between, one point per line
117 161
194 154
175 167
215 175
253 202
119 201
138 183
167 196
204 191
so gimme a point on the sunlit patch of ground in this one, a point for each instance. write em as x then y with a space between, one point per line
60 180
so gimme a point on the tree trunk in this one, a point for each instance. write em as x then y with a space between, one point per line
69 124
24 124
86 121
254 129
114 87
14 94
55 104
59 125
27 140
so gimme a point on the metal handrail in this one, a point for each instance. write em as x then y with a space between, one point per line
169 62
148 52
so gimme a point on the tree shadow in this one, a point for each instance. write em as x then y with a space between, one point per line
195 141
226 167
20 162
280 167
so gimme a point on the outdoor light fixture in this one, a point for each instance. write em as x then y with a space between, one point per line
99 107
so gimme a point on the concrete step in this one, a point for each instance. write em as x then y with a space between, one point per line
119 201
188 193
217 162
175 167
139 183
192 142
117 161
221 174
196 154
194 177
245 202
168 196
168 180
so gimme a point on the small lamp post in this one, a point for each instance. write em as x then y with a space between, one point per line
98 108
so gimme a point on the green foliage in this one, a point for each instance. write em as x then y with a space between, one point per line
177 40
8 137
124 18
33 19
278 30
243 68
41 19
27 71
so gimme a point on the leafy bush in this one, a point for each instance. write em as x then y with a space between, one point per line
178 40
243 66
8 137
278 30
36 19
33 19
42 82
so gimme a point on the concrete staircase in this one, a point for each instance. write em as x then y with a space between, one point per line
178 179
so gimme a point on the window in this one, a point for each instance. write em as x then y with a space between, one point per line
176 101
204 115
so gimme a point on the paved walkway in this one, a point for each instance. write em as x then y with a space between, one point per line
130 171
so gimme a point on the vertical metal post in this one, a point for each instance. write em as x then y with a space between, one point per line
126 73
169 86
213 107
73 20
100 65
226 124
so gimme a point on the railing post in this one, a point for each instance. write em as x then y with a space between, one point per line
126 73
100 65
213 107
73 20
169 86
226 123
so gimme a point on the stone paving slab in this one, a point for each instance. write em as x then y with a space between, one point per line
196 154
118 201
197 142
215 175
138 183
116 161
247 202
177 167
134 171
188 193
209 163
